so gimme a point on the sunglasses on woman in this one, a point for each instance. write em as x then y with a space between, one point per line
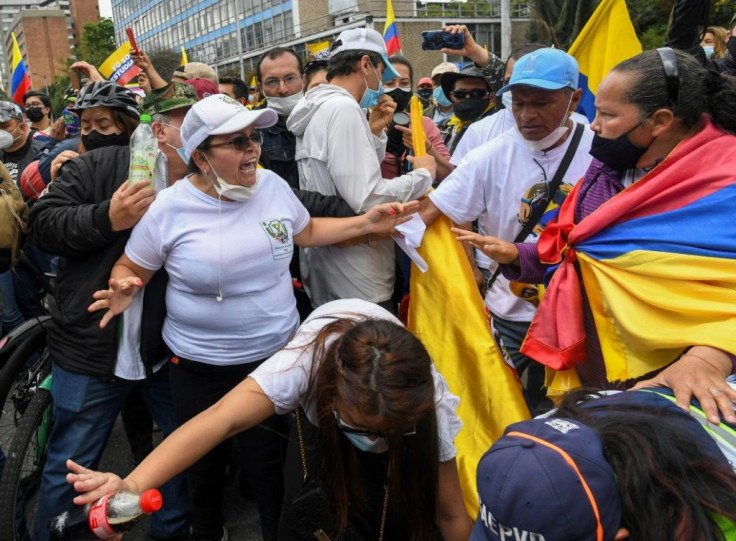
472 94
241 142
344 427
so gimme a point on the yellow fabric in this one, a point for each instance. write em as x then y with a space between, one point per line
447 313
418 137
606 39
184 58
319 50
120 57
644 321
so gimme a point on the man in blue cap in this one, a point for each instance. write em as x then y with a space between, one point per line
339 152
513 183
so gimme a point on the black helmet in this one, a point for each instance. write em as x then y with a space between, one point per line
107 94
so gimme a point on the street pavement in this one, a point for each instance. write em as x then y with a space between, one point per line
241 515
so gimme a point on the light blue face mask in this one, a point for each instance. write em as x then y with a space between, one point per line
708 51
370 96
506 99
364 443
439 95
180 152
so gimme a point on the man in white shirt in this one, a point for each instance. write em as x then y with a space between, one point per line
500 183
339 152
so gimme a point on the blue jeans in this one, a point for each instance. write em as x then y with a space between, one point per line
11 316
85 409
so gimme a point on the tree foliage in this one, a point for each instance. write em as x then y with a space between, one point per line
165 61
97 42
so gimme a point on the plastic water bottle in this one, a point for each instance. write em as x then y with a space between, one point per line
143 152
109 516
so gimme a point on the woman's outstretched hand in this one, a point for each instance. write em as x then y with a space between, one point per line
499 250
93 485
116 298
383 218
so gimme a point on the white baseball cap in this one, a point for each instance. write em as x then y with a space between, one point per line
365 39
220 114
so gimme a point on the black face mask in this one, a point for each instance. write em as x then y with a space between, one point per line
470 109
95 139
34 114
424 93
620 153
401 97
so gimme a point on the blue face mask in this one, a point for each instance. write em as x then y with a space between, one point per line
370 96
439 95
364 443
708 51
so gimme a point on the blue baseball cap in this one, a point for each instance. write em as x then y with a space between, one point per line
547 480
365 39
550 69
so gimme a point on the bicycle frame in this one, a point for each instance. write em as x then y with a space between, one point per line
10 341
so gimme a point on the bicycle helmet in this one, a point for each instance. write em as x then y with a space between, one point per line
107 94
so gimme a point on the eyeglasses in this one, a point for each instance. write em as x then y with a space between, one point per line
472 94
290 81
344 427
241 142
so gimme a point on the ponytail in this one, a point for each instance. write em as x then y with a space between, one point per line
721 92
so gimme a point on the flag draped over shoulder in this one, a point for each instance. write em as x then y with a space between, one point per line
20 82
390 31
606 39
184 57
657 261
447 313
119 67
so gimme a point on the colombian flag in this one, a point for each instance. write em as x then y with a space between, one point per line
119 67
20 81
390 32
447 313
657 263
607 39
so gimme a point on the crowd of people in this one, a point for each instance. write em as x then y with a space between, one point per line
249 298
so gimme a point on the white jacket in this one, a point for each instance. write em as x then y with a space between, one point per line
338 155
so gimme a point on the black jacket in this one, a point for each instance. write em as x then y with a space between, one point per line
72 220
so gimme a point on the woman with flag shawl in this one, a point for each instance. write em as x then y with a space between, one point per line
648 234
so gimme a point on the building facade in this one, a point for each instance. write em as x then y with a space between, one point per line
46 31
231 34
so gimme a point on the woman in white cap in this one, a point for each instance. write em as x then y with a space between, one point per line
225 235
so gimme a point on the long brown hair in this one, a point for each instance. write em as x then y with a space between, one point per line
382 369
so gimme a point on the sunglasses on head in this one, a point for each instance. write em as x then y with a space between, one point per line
241 142
344 427
472 94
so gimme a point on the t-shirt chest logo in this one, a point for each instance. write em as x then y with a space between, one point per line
279 238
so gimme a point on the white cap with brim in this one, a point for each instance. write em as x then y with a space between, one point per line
549 69
220 114
365 39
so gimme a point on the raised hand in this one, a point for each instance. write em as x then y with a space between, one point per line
382 114
129 204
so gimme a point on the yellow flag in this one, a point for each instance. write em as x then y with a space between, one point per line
119 67
606 39
418 136
319 50
184 58
447 313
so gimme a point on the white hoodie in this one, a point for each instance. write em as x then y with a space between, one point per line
338 155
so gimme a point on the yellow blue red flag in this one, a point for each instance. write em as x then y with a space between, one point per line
447 313
119 67
606 39
20 81
390 31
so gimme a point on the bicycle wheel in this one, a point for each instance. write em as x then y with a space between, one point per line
25 458
19 378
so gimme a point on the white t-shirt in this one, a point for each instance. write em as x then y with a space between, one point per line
489 185
489 128
285 376
237 249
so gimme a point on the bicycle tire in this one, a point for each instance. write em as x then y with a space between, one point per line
25 459
18 382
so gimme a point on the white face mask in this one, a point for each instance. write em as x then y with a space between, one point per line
364 443
552 138
6 139
506 100
235 192
284 105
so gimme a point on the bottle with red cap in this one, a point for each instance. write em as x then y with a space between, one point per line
111 515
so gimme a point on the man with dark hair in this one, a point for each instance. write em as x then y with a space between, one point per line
38 111
314 73
235 88
23 149
339 152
